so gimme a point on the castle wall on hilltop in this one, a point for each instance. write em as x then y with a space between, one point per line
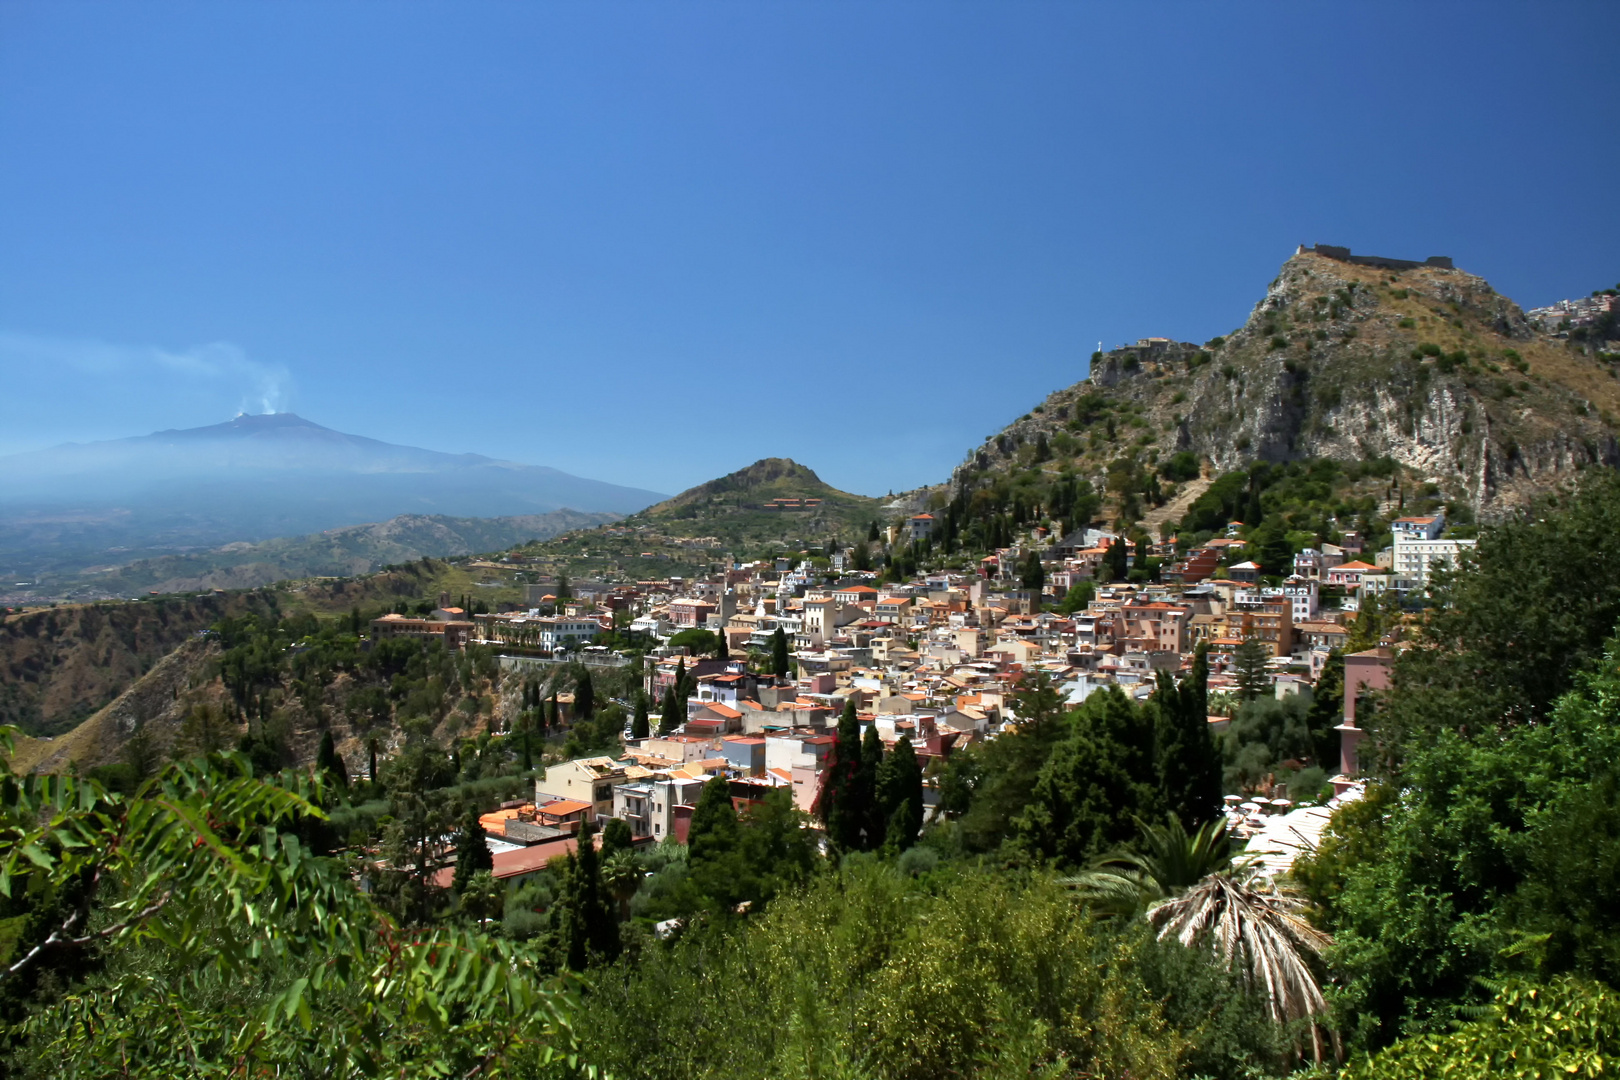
1438 262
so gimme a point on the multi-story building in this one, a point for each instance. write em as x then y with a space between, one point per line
587 780
1156 626
1416 558
657 808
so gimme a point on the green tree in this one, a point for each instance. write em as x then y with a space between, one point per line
472 852
844 811
1250 661
1504 638
863 792
1570 1027
1114 559
673 715
616 837
1083 797
639 728
584 697
695 638
219 941
1189 765
1327 712
589 929
1078 597
779 654
1032 575
899 796
1498 854
1166 861
329 763
717 876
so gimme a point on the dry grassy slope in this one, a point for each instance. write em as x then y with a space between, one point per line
1323 368
158 700
59 665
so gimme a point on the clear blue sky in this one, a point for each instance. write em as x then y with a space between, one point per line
652 242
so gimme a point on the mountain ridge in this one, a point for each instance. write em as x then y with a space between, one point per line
254 478
1424 364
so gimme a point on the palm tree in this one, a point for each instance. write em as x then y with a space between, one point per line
621 876
1258 926
1171 861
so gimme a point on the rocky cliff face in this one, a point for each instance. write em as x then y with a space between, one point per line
1428 366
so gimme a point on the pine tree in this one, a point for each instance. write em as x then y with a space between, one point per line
779 654
472 852
899 797
638 726
1250 661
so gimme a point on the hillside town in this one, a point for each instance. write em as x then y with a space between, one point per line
766 656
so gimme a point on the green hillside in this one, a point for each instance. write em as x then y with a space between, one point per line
357 549
1428 367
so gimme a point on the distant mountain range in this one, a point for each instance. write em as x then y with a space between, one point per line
254 478
345 552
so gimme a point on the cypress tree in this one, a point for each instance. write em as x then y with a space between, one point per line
590 930
472 852
584 698
779 654
638 726
717 877
899 797
863 792
841 811
671 718
554 721
1116 558
1327 712
1033 574
327 761
1189 765
371 747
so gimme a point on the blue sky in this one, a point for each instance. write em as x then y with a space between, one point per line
652 242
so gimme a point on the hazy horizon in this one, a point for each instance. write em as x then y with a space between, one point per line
650 245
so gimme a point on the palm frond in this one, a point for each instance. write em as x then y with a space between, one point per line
1259 928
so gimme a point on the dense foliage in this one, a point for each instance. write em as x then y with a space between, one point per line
871 972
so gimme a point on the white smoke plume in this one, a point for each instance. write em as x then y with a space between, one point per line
262 388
